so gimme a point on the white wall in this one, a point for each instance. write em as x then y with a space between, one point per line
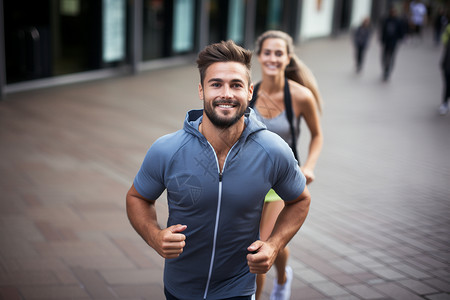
361 9
314 22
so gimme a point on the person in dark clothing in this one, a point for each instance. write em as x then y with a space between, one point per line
445 65
360 41
440 21
392 32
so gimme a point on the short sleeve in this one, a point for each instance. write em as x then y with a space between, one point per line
149 181
289 179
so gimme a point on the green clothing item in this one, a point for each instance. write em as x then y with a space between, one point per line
445 35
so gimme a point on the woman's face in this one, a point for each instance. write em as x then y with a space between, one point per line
273 56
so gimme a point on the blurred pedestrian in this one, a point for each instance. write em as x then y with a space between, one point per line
440 21
418 12
445 65
217 170
287 92
361 38
391 33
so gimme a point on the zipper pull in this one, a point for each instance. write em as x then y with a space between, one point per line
220 177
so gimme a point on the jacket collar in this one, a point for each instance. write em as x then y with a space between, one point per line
194 118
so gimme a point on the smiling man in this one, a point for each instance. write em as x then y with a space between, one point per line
217 171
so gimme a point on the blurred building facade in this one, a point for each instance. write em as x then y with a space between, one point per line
52 42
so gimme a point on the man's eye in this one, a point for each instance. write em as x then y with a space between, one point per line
215 84
237 85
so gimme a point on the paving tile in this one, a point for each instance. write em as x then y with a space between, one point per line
28 278
309 275
9 293
54 292
364 291
99 262
438 297
347 266
52 233
442 274
439 284
127 277
39 264
330 289
388 273
396 291
306 293
94 284
411 271
134 254
144 291
430 262
66 277
418 287
344 279
365 261
321 266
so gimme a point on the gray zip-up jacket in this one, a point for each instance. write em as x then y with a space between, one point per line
222 210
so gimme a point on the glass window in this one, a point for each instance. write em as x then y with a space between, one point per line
226 20
113 30
183 29
168 28
156 29
48 38
268 15
236 17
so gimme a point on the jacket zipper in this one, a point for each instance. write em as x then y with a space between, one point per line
219 202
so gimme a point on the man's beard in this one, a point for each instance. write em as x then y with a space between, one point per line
222 122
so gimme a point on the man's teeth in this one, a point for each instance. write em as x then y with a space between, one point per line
225 106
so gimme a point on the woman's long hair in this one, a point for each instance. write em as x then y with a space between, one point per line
296 70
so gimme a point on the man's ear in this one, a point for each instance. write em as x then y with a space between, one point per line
200 91
250 92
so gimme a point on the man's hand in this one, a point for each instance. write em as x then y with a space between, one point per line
263 254
261 257
169 242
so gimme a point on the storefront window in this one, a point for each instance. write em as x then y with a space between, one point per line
236 17
268 15
226 20
168 28
183 29
48 38
114 30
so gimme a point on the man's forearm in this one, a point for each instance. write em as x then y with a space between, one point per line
289 221
142 216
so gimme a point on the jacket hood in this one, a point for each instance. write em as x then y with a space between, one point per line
194 118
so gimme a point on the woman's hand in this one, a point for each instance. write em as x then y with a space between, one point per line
309 174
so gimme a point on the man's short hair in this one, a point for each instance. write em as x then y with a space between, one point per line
225 51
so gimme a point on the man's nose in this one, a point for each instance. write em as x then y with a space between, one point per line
227 92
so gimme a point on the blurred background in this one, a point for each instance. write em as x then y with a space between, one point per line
51 42
88 85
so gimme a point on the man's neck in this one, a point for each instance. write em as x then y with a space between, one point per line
221 139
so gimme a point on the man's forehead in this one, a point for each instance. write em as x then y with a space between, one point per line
227 71
227 68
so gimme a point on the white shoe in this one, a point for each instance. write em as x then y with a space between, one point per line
443 109
282 291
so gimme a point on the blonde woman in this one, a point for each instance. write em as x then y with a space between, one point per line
286 93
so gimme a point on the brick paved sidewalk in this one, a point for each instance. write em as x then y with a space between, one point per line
379 225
